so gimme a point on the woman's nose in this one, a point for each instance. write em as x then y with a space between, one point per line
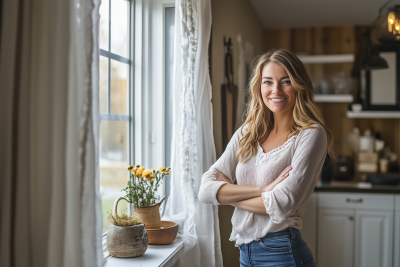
276 87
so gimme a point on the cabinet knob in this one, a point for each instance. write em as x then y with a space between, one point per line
349 200
351 218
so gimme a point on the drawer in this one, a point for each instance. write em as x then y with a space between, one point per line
397 202
356 201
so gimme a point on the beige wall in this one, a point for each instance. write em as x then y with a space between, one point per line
230 19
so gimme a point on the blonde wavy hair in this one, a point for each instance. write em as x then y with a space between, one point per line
260 121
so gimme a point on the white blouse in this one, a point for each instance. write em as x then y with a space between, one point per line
285 203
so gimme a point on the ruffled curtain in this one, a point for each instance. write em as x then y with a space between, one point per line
50 205
193 150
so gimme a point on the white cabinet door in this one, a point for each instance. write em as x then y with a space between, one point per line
374 238
396 239
335 238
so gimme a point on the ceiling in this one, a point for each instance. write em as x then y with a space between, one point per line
317 13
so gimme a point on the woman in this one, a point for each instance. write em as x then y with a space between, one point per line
276 158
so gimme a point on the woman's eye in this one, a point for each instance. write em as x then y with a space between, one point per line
267 82
286 82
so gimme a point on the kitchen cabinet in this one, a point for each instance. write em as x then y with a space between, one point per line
396 253
355 229
373 238
335 237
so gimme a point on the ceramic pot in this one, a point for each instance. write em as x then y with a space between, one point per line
149 215
128 241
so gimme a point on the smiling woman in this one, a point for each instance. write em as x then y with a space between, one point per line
276 158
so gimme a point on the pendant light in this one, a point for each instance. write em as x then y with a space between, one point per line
372 60
388 26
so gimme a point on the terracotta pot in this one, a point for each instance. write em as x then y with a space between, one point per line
149 215
128 241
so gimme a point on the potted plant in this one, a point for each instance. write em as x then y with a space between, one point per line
140 193
126 236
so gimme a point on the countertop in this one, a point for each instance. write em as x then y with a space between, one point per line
356 187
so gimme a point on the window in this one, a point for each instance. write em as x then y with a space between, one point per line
115 111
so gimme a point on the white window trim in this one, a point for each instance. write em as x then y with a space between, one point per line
149 83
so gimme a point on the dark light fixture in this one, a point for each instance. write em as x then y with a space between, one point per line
372 59
387 31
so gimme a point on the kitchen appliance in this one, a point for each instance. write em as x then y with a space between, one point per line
342 168
384 179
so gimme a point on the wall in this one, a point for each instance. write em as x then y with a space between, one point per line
231 18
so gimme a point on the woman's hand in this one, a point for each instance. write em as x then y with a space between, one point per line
284 174
222 177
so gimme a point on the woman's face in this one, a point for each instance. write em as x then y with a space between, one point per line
276 89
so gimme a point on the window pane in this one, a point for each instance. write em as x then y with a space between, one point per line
113 164
169 67
104 20
119 86
103 84
119 27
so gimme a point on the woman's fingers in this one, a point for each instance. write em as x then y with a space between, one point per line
284 174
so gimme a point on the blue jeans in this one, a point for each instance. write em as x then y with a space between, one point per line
285 248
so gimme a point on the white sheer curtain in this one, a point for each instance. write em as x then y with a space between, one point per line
193 150
50 207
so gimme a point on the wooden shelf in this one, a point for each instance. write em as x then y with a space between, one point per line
333 98
374 115
324 59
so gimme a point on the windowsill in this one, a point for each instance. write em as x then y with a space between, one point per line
155 256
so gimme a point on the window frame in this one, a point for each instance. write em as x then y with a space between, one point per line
146 85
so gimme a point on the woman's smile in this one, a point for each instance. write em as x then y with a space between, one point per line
277 100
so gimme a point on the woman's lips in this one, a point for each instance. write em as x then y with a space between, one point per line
277 100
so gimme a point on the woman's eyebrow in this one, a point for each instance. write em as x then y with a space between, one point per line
285 77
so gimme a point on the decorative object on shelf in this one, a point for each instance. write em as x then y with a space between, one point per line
126 236
356 107
229 93
382 87
342 83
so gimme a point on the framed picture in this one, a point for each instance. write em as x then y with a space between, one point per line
382 90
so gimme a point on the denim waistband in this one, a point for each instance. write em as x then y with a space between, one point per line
288 232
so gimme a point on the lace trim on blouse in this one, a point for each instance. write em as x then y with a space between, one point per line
261 156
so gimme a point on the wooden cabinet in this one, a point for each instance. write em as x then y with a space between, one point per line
356 230
335 238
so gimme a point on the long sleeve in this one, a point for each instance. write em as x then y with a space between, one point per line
289 196
227 165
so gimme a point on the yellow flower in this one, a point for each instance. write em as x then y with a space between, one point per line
137 166
168 171
139 171
161 169
130 167
153 172
133 171
146 173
